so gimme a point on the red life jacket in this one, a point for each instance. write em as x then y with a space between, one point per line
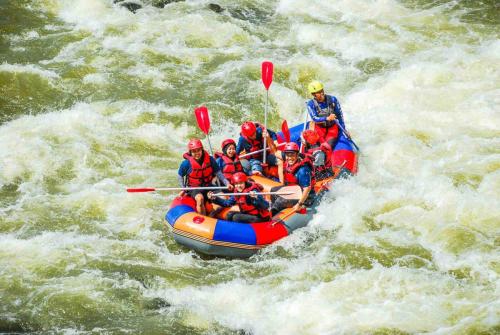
290 170
200 175
323 171
246 208
255 143
325 147
231 166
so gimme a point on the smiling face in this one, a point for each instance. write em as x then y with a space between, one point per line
291 157
196 153
239 187
231 151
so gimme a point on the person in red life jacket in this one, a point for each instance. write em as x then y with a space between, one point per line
319 153
252 139
253 207
198 170
297 170
324 111
228 160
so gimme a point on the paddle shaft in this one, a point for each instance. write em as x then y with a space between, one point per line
265 126
153 189
260 150
304 128
267 78
256 193
345 134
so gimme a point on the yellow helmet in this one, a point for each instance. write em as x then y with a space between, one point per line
315 86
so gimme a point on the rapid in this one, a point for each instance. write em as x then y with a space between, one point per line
95 98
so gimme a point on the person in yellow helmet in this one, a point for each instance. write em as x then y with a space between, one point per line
324 110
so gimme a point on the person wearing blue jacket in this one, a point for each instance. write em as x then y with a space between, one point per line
325 111
252 207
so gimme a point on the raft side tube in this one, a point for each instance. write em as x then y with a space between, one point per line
208 248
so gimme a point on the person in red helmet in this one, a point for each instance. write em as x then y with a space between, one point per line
198 170
228 160
252 208
319 153
252 139
296 170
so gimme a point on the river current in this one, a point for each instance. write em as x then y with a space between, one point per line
95 98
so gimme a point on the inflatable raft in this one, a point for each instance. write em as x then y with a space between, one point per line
218 237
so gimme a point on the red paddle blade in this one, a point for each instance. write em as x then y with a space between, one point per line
267 74
137 190
285 131
203 119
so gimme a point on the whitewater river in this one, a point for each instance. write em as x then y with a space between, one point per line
95 98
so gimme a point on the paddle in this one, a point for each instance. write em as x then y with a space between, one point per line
154 189
303 129
203 120
257 151
257 193
267 79
346 134
293 192
285 131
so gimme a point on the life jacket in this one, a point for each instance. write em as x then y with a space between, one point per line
257 144
325 170
231 166
290 170
325 112
247 208
201 174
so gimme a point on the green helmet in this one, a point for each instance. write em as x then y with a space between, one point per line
315 86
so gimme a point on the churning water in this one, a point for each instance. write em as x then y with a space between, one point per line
95 98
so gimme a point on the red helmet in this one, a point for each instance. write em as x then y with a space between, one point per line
248 128
227 142
310 136
239 177
194 144
291 146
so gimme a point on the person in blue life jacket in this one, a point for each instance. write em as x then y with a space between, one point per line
228 161
297 169
324 111
198 170
252 207
252 139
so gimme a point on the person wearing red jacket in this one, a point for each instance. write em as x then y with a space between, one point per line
297 170
252 207
252 139
319 153
198 170
228 160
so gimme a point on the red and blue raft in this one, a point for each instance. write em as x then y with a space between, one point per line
219 237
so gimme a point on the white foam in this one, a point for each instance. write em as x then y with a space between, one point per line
427 191
29 68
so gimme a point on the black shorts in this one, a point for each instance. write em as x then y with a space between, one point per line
194 193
